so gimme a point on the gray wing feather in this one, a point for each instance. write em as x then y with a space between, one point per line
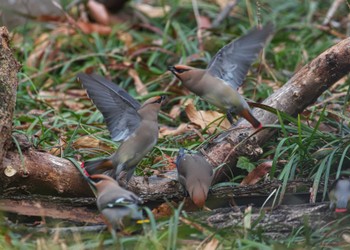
118 108
232 62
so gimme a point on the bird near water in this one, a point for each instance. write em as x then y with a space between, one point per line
195 174
218 84
133 124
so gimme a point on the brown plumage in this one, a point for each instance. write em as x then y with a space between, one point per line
225 73
134 125
195 174
118 206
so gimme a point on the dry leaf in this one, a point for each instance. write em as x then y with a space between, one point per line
152 11
89 28
81 142
98 12
176 109
346 237
209 118
212 245
140 87
164 210
91 142
56 98
181 129
40 46
126 38
168 161
204 22
259 172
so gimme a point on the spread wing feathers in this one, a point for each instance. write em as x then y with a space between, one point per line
118 108
232 62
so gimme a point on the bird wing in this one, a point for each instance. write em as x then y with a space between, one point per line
118 108
232 62
122 201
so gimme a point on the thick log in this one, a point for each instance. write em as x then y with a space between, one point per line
30 207
277 223
45 174
8 86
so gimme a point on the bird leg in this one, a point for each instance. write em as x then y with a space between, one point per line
229 117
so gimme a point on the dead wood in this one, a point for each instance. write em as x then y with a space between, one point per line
45 174
8 86
39 208
277 223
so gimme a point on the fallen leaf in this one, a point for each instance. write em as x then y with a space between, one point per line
255 175
176 109
163 210
168 161
91 142
212 245
57 98
41 45
140 87
169 131
89 28
207 119
346 237
204 22
126 38
99 12
82 142
152 11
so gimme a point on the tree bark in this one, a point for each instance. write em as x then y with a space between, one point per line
8 86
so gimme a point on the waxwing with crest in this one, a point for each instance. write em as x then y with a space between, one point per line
118 206
129 122
195 174
218 84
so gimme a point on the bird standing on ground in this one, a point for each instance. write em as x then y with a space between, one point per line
225 73
127 121
118 206
339 194
195 174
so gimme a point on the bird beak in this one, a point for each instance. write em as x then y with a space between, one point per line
172 69
162 99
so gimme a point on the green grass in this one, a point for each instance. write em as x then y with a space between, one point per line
302 148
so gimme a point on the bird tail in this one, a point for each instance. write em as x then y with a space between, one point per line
247 114
98 166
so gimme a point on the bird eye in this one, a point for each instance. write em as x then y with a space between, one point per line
181 70
160 99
